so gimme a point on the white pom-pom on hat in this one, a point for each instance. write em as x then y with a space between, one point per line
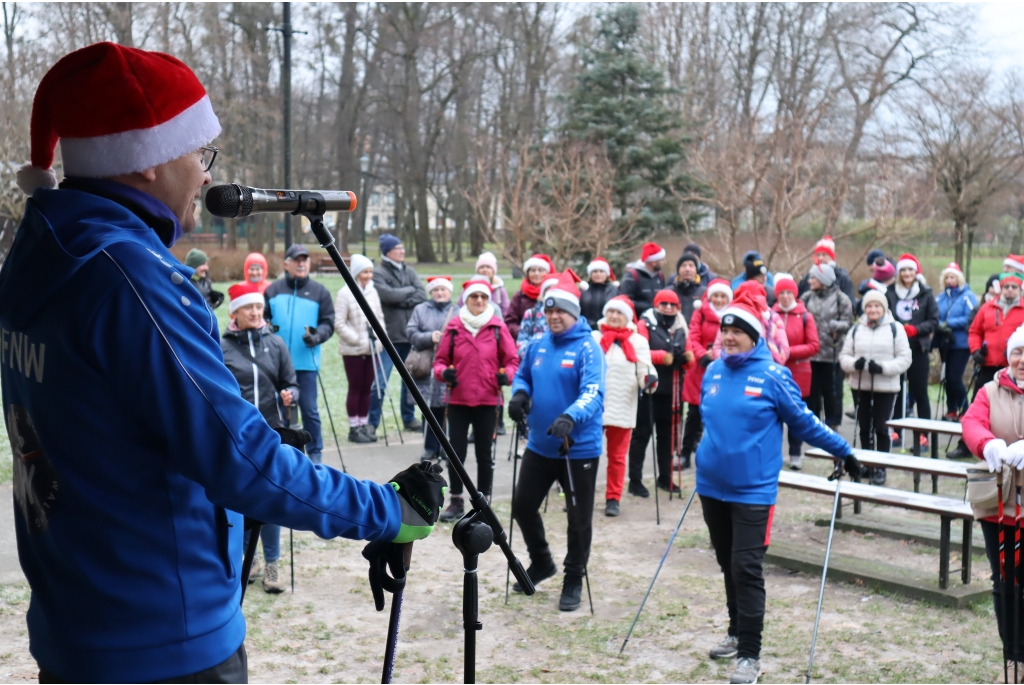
31 177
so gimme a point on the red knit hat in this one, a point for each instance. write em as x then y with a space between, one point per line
745 313
115 110
652 252
785 282
825 246
242 294
667 295
601 264
750 289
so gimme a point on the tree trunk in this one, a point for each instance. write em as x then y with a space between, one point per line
424 246
958 240
1018 237
970 252
232 232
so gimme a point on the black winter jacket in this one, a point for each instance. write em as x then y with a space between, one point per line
400 291
640 285
670 338
259 361
688 292
593 300
916 309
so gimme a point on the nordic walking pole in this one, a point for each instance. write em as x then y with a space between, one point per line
396 618
250 554
511 516
291 553
327 406
1002 571
661 563
374 360
837 476
654 460
574 512
1016 585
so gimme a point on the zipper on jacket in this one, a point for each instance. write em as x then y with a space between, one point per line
255 373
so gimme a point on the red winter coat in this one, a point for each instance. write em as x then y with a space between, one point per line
802 333
991 326
476 361
704 326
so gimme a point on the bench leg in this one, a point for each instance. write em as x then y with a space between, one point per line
944 553
967 552
935 455
916 450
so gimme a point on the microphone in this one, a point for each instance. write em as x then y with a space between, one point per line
233 201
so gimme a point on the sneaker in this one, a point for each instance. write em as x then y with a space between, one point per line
897 441
428 456
951 416
414 426
924 442
357 435
370 432
670 487
747 671
501 429
572 590
959 452
454 512
878 477
726 649
795 462
256 569
272 582
637 488
611 507
538 572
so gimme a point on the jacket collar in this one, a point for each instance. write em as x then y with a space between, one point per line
295 282
152 211
395 265
1005 381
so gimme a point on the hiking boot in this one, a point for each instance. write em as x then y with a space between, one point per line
796 462
611 507
454 512
370 432
256 569
538 573
878 477
357 435
272 583
726 649
747 671
414 426
669 486
637 488
572 590
959 452
501 429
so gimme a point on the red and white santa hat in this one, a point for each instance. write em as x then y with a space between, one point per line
564 294
539 260
621 304
601 264
115 110
953 268
908 261
720 285
784 281
548 281
477 284
242 294
1015 262
440 282
745 313
824 246
651 252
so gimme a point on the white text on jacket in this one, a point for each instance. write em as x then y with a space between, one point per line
17 351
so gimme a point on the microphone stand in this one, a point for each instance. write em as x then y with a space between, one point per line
475 532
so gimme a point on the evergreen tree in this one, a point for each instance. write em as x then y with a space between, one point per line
619 99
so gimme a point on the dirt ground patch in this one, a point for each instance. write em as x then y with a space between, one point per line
328 631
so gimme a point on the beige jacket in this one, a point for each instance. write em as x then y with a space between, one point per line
351 325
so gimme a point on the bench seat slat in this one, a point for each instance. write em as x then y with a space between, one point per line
938 467
929 504
927 426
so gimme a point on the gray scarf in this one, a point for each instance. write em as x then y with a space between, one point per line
1007 306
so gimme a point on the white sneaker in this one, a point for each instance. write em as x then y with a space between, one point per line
796 462
726 649
747 671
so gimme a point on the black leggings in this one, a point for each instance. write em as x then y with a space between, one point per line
642 435
825 400
740 534
874 409
693 429
917 386
482 419
956 391
536 475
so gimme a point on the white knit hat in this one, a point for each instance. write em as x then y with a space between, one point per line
357 264
1016 340
434 282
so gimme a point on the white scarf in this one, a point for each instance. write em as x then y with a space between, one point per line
367 288
789 308
904 294
718 312
474 323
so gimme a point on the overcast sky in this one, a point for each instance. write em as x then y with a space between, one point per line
1000 27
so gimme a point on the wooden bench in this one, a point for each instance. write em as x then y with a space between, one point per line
326 266
945 508
933 428
203 238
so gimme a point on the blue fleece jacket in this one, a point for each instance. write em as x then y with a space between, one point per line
564 374
134 449
955 306
743 409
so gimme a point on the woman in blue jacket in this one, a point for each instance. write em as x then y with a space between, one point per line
956 302
738 470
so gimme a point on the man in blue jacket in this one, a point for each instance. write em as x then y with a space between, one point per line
745 399
133 449
560 386
303 312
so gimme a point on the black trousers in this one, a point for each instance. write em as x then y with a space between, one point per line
874 409
536 476
740 534
693 429
956 391
986 374
990 531
483 419
826 398
917 386
642 435
234 669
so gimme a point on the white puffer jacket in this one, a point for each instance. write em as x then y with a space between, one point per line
878 344
624 379
351 325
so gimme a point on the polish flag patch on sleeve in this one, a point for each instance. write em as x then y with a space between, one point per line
567 363
752 391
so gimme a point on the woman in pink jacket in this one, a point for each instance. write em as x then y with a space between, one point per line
704 327
802 334
476 357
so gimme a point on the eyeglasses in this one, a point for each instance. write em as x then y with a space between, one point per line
207 154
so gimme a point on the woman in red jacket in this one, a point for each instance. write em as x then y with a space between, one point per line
802 334
704 326
475 358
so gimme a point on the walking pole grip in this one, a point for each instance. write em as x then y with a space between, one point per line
478 501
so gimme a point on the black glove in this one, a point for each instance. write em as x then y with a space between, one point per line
859 364
944 328
874 367
979 356
519 406
503 379
449 376
421 490
311 338
561 427
566 445
293 437
705 361
849 465
216 299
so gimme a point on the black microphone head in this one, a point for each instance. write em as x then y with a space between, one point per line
229 201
